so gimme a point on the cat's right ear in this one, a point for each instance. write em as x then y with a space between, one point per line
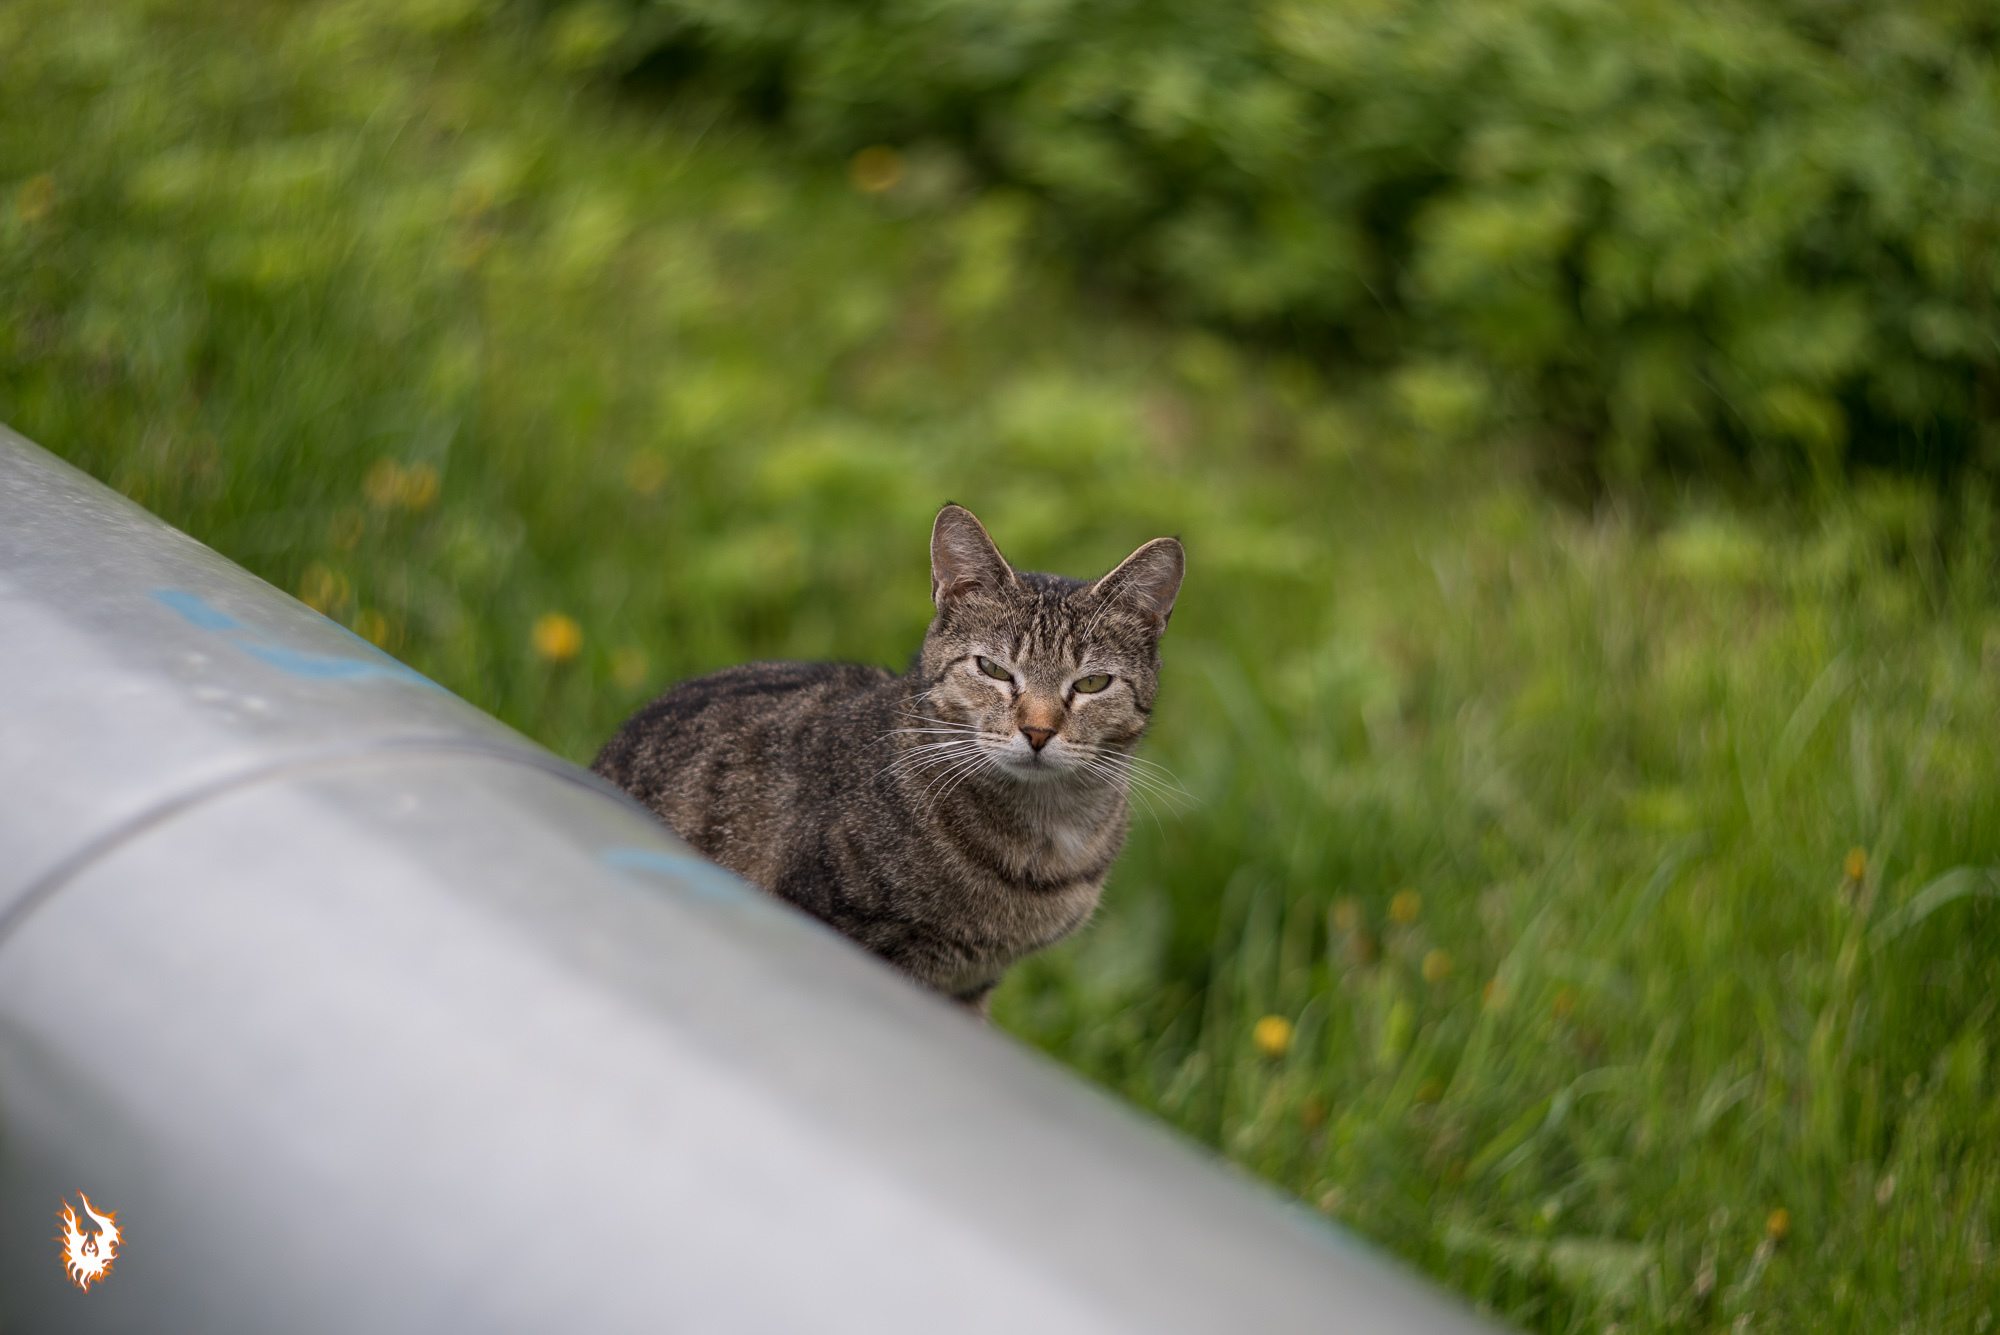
964 559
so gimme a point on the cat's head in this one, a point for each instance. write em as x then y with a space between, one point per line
1045 677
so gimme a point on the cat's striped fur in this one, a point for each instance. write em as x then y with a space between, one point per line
948 819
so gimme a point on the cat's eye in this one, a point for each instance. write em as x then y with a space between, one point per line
1094 683
994 670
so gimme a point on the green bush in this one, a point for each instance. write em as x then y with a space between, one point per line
1753 232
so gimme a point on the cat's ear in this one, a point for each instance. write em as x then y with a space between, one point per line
964 559
1147 581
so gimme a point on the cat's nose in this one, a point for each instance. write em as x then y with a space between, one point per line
1038 737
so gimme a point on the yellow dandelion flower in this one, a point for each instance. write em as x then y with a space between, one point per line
36 198
1437 966
1406 906
1778 1224
1856 865
388 484
557 638
417 488
646 473
324 591
875 169
373 627
1272 1035
382 484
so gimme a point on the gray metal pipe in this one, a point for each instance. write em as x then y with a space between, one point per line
366 1014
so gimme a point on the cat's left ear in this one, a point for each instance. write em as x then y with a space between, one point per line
1147 581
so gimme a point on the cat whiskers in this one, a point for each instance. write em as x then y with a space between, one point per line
964 753
960 755
951 780
1144 779
930 753
1154 778
1139 766
968 756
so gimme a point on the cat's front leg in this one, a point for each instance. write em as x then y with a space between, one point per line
979 1000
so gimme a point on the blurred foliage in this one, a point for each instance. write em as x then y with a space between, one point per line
434 354
1757 235
1620 883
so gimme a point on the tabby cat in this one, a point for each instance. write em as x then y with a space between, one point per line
954 818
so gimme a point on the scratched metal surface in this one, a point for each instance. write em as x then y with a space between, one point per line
366 1014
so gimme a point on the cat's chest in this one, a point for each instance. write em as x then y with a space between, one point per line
1068 846
1069 843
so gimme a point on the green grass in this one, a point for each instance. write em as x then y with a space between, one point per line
1621 874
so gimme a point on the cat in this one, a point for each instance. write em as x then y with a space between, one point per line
952 819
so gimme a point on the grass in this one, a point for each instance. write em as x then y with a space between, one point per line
1618 879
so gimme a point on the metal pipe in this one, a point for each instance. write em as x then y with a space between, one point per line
364 1013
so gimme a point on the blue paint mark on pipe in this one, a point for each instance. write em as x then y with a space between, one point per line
199 612
327 667
704 878
196 610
